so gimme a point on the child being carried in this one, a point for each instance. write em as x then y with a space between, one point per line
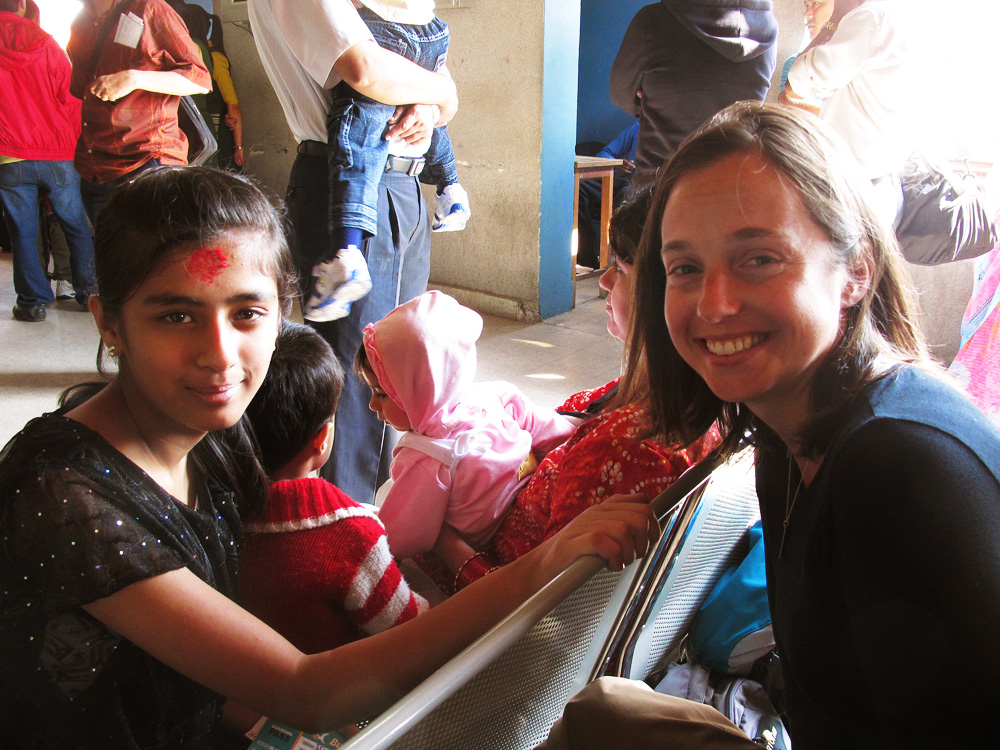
465 446
360 154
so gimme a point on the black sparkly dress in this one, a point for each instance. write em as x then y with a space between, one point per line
79 522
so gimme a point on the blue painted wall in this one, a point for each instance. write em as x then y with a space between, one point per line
602 26
559 77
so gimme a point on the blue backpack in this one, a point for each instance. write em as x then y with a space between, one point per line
730 633
732 630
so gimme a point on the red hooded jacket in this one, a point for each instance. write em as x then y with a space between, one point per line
39 118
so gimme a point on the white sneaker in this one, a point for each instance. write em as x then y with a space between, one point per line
337 284
333 310
453 209
64 289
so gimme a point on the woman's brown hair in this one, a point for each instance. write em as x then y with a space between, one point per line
882 325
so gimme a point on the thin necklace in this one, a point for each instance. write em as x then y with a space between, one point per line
135 423
789 504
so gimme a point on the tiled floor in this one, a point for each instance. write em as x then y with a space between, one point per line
548 360
38 360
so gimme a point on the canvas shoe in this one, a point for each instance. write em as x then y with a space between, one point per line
334 309
64 289
338 283
452 210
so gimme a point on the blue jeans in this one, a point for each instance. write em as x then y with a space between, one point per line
356 126
399 262
20 182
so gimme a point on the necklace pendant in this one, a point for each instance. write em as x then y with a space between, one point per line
790 500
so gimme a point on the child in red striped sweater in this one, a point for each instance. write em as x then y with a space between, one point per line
316 566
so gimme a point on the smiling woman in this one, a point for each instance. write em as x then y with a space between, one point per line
770 297
751 303
828 263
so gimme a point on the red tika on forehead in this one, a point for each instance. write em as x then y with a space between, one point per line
206 264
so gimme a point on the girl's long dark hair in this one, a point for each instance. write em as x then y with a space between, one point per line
625 237
165 211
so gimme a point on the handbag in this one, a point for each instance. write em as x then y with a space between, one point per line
732 629
743 701
944 217
201 141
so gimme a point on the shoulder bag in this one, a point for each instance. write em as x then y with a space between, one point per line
944 217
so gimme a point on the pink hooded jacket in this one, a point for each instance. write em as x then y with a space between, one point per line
460 463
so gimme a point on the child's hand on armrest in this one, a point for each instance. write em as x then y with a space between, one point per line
619 530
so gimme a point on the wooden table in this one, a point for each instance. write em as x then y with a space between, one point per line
593 168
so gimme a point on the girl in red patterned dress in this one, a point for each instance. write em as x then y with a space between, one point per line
613 452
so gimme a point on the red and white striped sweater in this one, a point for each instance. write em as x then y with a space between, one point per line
317 568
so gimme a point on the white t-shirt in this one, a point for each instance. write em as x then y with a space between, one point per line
868 77
299 41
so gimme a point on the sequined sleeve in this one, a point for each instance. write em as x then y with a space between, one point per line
68 540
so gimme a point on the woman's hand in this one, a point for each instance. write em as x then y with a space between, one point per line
791 99
234 121
620 529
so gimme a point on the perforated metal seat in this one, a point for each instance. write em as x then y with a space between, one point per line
710 536
507 689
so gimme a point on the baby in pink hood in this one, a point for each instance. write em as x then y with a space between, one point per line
465 447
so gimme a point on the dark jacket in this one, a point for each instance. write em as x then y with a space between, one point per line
690 58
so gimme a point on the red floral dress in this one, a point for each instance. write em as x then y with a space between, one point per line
977 364
605 456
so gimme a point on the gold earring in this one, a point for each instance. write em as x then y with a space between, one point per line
113 352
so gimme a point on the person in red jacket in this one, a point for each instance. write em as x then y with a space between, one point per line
39 127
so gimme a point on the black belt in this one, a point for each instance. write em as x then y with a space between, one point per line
312 148
411 166
405 164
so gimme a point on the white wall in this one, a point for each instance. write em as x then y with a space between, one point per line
267 143
496 58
